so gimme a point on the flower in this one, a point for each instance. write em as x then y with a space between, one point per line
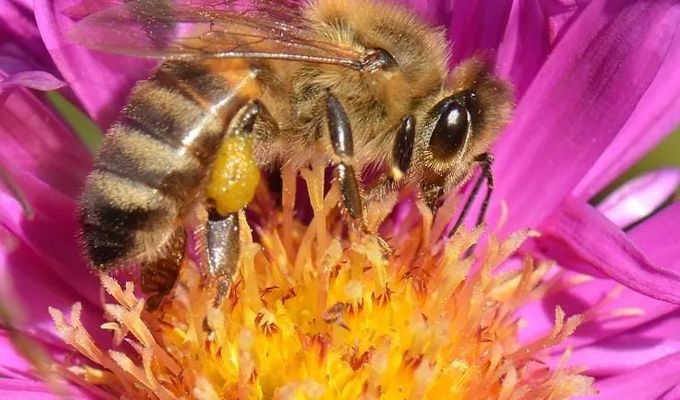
596 89
331 318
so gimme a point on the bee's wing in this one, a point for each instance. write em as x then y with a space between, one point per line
234 28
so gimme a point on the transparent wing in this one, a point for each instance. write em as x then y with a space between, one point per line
190 29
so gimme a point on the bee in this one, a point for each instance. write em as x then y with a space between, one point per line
247 85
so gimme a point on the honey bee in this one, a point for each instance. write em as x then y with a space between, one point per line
246 85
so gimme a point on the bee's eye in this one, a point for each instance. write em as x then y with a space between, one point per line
452 128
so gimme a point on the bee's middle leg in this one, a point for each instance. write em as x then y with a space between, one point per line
342 141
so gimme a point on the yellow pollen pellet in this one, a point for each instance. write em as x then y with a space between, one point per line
234 176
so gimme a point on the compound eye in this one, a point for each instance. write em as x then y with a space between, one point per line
452 129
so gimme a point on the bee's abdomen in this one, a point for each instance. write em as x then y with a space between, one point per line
118 215
153 161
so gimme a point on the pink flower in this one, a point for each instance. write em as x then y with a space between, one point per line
596 87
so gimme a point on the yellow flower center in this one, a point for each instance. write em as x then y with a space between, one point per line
319 313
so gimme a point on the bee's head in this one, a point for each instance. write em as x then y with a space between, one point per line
459 124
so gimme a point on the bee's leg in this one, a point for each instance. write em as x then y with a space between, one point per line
231 187
402 153
223 248
159 275
402 150
343 146
485 160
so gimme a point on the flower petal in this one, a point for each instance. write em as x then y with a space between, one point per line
655 117
34 140
525 45
631 349
101 82
581 98
649 381
624 309
658 237
640 197
38 284
12 365
582 232
476 27
436 12
672 394
20 40
39 80
518 35
33 390
45 166
532 30
623 312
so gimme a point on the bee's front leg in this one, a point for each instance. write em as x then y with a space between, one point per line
402 149
231 186
485 161
400 163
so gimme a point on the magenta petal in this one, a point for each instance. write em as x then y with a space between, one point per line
476 27
12 365
33 390
631 349
652 237
649 381
47 165
435 12
83 8
580 99
593 240
38 80
640 197
34 140
525 45
637 309
671 394
20 40
560 14
101 82
38 284
533 27
658 237
655 117
518 35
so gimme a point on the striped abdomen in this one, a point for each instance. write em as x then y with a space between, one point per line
153 161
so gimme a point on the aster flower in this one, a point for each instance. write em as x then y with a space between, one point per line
596 89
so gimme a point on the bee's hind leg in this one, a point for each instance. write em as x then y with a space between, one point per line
232 183
158 275
223 248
